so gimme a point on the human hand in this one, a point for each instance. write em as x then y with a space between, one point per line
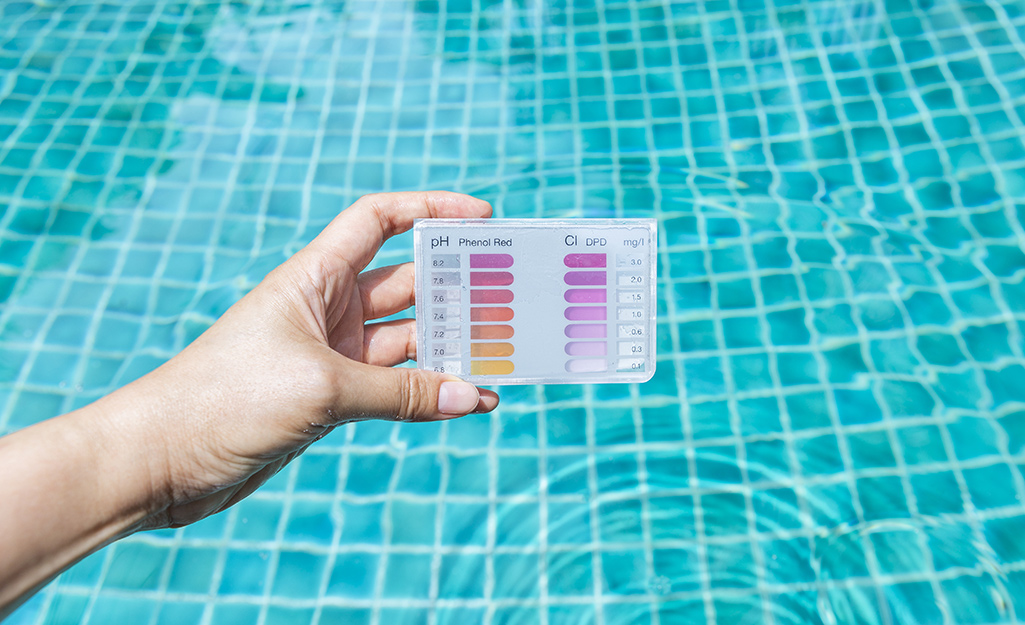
292 360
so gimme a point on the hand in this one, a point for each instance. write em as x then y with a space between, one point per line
295 358
292 360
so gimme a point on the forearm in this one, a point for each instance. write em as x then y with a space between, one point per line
68 486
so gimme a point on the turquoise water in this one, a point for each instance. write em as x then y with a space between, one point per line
836 429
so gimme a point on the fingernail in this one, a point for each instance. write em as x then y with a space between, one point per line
457 398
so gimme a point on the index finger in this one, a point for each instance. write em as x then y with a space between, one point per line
354 236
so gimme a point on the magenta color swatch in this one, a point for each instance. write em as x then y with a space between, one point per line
585 296
490 278
587 278
586 313
585 260
491 261
586 331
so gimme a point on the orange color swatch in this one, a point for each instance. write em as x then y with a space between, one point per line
491 332
491 314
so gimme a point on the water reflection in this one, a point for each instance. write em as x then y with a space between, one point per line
911 572
839 296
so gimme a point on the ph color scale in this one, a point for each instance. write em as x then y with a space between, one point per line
536 301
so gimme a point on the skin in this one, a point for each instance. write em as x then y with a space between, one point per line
288 363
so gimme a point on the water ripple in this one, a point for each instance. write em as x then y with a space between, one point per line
918 571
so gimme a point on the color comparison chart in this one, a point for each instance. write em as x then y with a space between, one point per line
536 301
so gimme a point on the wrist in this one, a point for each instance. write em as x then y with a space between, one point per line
118 435
133 437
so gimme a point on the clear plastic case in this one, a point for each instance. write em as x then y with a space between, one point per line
536 301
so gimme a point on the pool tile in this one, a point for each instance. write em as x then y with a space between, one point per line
884 307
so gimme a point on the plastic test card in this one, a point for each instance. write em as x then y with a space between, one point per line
536 301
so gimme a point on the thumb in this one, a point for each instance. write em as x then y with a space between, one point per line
405 394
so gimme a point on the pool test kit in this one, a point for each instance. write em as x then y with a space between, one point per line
536 301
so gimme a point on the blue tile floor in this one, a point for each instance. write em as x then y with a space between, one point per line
836 430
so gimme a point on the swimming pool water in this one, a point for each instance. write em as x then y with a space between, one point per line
836 429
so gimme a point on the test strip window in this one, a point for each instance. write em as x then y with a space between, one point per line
536 301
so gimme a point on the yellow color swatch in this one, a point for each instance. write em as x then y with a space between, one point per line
490 367
490 350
